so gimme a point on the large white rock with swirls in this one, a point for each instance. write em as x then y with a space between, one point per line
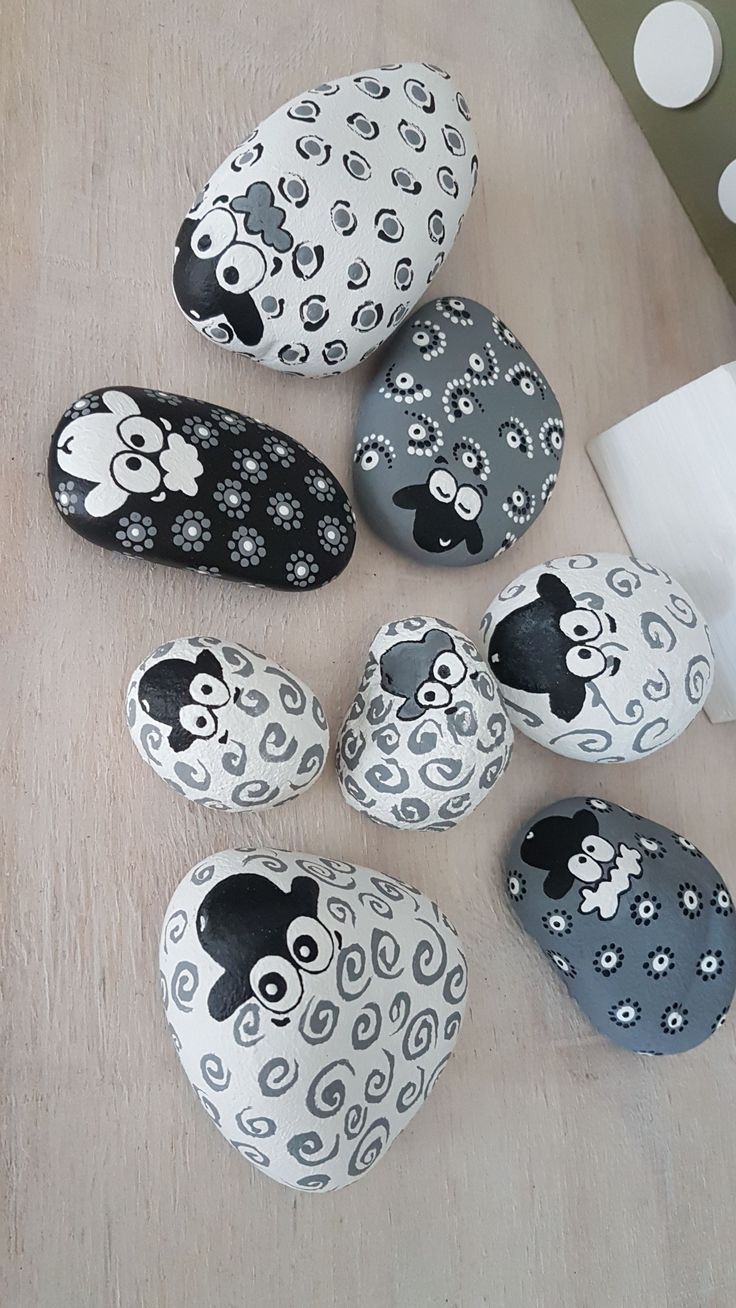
313 1005
224 726
599 657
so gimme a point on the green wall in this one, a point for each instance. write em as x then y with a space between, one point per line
693 145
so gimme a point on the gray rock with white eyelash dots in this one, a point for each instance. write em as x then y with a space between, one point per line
427 735
458 439
637 922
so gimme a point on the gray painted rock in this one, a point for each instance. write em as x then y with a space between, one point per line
637 922
458 439
179 481
313 1005
599 657
427 735
224 726
314 237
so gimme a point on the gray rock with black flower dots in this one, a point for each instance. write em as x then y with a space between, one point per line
458 439
427 735
224 726
638 923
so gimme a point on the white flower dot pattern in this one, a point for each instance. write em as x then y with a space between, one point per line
285 510
302 569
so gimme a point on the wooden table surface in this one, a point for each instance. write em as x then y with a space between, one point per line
549 1167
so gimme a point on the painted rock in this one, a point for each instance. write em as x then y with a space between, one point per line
427 735
161 477
636 920
602 658
224 726
313 1005
314 238
458 439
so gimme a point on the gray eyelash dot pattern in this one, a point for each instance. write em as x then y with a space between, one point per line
226 727
313 1006
315 237
459 437
602 657
427 735
637 922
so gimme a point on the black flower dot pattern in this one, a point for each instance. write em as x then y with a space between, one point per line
690 900
608 959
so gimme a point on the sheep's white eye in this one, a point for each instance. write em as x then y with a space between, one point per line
241 268
141 434
197 720
449 669
432 694
276 982
310 944
581 625
138 476
213 234
209 690
468 503
442 486
585 661
598 848
584 868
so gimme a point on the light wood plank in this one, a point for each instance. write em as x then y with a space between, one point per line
548 1167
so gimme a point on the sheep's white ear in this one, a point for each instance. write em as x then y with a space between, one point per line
120 404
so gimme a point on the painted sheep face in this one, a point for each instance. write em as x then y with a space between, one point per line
266 939
560 656
424 673
124 454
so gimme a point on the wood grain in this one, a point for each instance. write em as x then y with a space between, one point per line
548 1167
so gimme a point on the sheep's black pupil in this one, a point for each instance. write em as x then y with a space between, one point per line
204 242
134 464
137 440
444 671
306 949
201 722
206 690
430 694
230 275
585 653
580 631
273 986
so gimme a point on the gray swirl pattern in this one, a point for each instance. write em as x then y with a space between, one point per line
225 727
427 735
622 658
314 1100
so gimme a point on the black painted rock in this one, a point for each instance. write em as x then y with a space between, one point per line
638 923
186 483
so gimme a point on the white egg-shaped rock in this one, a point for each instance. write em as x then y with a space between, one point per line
313 1005
600 657
224 726
315 237
427 734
